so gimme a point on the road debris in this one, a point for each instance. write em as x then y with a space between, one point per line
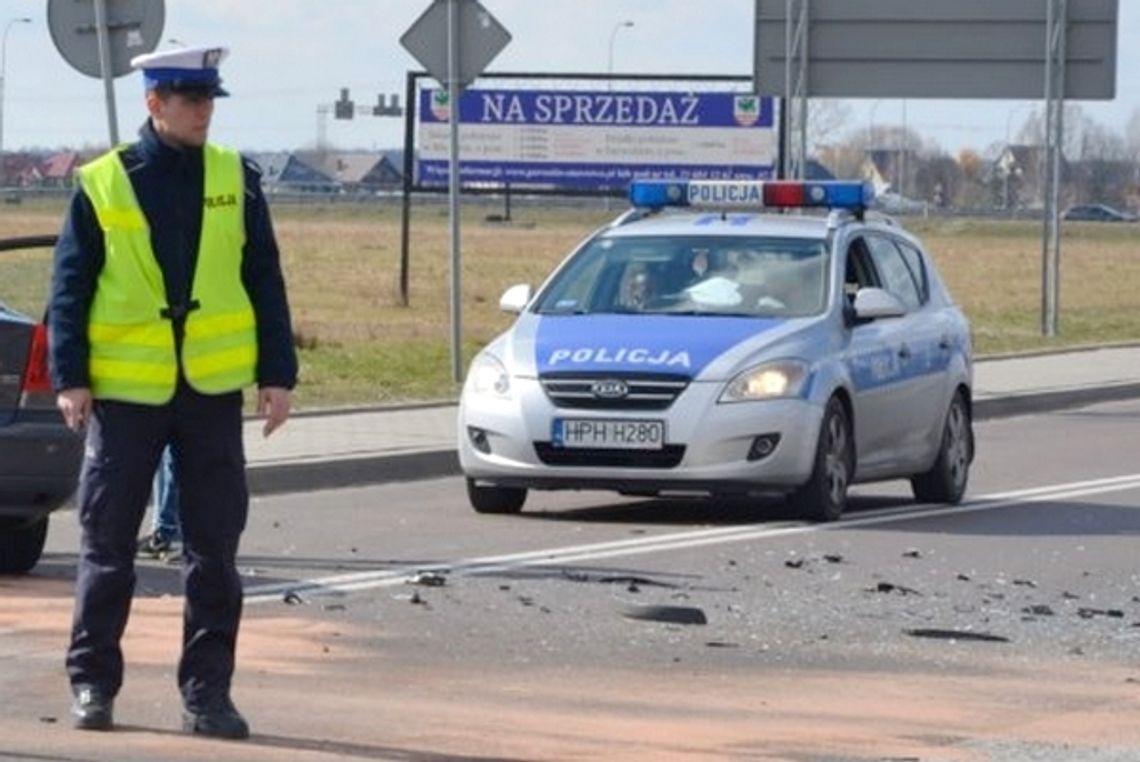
1039 609
890 587
428 579
630 579
982 637
292 598
1089 613
667 614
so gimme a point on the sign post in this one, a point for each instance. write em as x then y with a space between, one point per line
455 40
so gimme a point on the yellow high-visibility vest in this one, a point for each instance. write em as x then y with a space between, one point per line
131 335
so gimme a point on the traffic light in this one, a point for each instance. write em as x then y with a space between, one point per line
392 109
344 108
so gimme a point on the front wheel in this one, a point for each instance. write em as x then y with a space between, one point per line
491 499
21 544
946 480
824 496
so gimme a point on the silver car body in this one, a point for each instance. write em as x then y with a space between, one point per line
897 375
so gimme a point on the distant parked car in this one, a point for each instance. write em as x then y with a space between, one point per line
1098 213
39 455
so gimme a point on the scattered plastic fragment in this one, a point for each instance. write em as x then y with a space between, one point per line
428 579
983 637
667 614
890 587
1039 609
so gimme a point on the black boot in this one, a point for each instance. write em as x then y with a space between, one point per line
218 719
92 709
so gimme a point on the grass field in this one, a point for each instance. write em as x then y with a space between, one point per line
358 345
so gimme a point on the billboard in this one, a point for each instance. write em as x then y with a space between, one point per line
595 140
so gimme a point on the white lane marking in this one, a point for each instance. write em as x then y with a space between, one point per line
343 583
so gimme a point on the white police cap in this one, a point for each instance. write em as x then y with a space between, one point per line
183 70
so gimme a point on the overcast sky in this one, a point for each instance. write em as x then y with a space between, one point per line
290 57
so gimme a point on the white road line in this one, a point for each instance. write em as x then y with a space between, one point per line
357 581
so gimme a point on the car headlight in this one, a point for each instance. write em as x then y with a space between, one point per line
785 378
489 377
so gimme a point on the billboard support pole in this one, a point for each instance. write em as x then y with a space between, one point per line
409 168
453 186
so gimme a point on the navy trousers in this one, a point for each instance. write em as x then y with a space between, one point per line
124 444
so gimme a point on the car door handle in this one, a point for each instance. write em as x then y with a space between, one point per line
904 352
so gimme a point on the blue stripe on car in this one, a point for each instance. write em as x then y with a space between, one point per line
678 344
884 366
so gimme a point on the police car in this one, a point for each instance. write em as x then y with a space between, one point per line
700 345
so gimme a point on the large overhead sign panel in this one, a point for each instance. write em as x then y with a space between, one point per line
596 139
958 49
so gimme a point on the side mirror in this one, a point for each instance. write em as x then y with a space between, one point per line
875 303
516 298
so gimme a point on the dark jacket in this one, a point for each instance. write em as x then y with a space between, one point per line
168 183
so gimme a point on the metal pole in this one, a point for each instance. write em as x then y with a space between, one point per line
406 210
1056 31
904 143
3 74
453 187
610 86
105 67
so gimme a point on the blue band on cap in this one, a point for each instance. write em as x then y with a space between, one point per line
155 77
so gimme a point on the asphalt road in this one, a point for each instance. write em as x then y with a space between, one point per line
393 623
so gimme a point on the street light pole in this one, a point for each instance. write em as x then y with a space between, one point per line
3 68
610 72
610 60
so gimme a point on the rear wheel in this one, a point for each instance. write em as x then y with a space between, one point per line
946 480
491 499
21 544
824 496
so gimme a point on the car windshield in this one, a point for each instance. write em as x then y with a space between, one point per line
727 275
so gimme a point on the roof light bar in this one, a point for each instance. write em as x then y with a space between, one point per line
751 194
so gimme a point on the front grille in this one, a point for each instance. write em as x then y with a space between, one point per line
667 457
645 391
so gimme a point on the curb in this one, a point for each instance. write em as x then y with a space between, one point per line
309 476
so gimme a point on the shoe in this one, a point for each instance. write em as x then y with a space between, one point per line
219 719
92 709
155 545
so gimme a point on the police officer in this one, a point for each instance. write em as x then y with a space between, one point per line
167 300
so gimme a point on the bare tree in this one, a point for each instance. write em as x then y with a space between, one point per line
826 117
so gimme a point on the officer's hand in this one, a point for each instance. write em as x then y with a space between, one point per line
273 402
75 404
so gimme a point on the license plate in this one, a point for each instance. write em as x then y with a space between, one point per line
608 434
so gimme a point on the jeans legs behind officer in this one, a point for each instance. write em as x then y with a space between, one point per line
166 528
124 445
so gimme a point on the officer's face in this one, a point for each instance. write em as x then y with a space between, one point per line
181 119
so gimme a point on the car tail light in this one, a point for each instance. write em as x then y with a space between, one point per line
37 380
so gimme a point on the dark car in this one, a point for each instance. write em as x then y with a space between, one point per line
1098 213
39 455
